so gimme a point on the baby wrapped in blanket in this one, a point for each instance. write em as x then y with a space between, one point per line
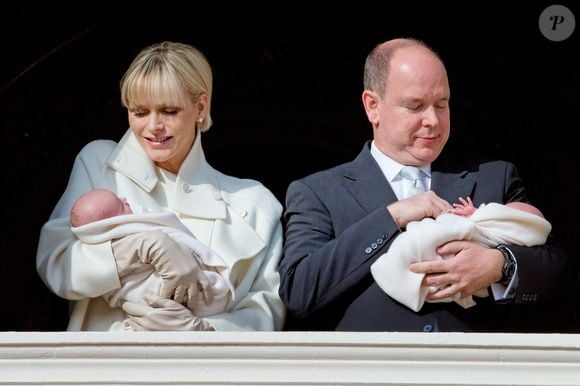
490 225
100 215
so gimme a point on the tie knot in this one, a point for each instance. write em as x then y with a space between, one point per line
411 173
414 176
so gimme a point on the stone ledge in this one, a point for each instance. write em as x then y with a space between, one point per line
288 358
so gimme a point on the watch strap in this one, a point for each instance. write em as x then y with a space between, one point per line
509 265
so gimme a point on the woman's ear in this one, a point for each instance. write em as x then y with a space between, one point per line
201 106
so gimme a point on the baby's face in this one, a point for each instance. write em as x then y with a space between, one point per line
124 207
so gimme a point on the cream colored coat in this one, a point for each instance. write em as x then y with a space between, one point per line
237 218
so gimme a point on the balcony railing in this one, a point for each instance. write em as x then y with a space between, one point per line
288 358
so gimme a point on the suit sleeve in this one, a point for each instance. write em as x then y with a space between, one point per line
319 266
545 272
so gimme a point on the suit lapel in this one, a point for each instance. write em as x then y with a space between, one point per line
368 185
366 182
452 184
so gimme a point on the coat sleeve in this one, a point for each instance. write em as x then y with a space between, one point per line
70 268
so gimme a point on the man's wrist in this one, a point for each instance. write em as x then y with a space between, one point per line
509 265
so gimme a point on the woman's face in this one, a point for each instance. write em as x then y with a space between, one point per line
167 132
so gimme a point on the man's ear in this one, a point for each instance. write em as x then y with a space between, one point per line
371 101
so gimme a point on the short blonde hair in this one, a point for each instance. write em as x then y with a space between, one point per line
164 73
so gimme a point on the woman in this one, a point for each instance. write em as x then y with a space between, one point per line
159 163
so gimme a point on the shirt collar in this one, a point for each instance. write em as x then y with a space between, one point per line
390 167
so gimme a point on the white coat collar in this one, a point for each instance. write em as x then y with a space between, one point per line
198 192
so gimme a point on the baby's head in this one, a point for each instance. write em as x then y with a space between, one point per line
525 207
97 205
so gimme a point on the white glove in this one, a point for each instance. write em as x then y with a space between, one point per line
176 264
161 315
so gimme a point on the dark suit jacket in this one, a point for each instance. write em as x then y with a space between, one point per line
337 225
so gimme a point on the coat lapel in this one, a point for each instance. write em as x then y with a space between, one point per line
198 195
235 239
130 159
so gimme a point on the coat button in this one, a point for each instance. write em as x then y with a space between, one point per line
368 250
428 327
242 213
374 245
186 188
379 241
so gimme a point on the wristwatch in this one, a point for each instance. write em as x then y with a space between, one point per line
509 265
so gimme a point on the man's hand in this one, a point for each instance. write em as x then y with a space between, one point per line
162 315
418 207
182 275
466 269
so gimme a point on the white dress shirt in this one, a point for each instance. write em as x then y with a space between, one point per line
392 171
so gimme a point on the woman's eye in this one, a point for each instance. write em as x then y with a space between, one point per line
138 113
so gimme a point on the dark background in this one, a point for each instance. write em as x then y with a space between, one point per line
288 80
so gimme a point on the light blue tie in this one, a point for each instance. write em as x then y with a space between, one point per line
414 176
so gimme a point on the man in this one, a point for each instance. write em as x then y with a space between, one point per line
339 221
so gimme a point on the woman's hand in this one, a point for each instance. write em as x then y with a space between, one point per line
161 315
177 265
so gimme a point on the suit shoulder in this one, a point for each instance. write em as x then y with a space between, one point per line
495 165
474 165
323 177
